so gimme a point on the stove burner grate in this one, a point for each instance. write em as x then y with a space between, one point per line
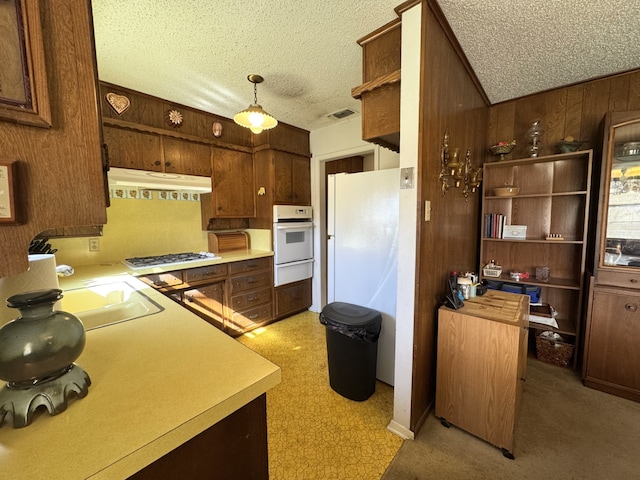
168 259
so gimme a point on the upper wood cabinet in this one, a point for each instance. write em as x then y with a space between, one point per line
151 152
233 184
380 90
131 149
292 179
59 172
186 157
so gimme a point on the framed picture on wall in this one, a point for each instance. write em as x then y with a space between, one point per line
24 97
7 192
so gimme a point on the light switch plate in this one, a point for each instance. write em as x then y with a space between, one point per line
406 177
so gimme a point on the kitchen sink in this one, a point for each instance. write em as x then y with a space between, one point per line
107 303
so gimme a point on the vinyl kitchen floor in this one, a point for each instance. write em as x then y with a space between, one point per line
315 433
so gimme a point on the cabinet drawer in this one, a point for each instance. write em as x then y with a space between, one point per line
293 298
618 279
251 281
251 299
193 275
208 297
161 280
249 265
249 318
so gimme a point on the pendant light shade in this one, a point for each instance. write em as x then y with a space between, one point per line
254 117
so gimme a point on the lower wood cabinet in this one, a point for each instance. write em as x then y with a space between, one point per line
235 297
292 298
234 448
611 354
481 365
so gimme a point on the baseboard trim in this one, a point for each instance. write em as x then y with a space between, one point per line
400 430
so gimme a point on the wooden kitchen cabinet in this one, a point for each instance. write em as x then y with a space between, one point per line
380 90
235 297
292 179
286 180
612 356
187 158
130 149
59 174
292 298
250 295
481 366
233 193
553 198
151 152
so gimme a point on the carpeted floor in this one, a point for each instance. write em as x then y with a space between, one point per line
564 431
313 432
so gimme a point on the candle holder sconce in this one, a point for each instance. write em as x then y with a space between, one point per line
457 173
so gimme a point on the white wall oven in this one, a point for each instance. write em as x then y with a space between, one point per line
292 243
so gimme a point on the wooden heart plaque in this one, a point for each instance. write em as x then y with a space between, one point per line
119 103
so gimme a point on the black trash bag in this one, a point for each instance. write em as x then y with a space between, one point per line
356 322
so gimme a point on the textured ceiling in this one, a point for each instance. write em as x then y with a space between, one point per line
199 53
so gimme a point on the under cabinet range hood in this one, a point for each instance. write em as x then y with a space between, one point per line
124 177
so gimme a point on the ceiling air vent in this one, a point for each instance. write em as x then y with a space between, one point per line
340 114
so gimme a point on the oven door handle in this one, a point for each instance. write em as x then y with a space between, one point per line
289 226
297 262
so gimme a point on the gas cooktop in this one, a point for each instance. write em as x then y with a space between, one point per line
169 259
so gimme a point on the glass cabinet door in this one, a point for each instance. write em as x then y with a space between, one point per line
619 217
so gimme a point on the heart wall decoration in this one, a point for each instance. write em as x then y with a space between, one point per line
119 103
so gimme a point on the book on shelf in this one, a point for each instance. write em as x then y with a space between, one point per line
494 225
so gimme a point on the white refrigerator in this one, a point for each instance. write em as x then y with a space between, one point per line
362 259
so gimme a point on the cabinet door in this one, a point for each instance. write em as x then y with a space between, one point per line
186 158
129 149
614 334
233 184
293 298
292 179
301 181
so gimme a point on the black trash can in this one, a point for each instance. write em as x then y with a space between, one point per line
352 348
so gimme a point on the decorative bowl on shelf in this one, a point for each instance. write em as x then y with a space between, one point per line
506 191
502 148
567 147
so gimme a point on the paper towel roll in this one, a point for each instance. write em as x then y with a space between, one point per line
40 276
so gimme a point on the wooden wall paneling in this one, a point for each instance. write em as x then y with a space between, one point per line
450 101
634 91
573 116
619 93
595 105
68 153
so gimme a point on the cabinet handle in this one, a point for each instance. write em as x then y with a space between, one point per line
251 317
167 164
252 299
157 162
634 280
251 280
631 307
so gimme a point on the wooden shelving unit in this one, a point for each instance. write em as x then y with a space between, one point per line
553 198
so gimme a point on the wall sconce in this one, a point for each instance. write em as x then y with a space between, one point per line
457 173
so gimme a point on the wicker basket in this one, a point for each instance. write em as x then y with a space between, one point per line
553 351
494 271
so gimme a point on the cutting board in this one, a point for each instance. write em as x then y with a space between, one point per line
228 242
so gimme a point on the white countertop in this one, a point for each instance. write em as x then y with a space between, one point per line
157 381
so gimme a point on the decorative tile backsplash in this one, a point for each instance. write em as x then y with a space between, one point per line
135 193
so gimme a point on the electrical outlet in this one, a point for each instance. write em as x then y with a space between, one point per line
94 244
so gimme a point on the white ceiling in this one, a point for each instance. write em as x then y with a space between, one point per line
199 53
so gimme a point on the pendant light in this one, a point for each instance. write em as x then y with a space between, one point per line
254 117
